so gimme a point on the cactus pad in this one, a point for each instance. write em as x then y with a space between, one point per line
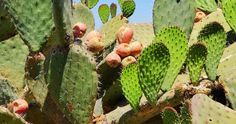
113 10
196 59
214 37
229 10
170 116
206 5
176 41
153 65
170 13
104 12
13 54
130 85
6 117
90 3
7 27
205 110
128 8
7 92
81 13
34 25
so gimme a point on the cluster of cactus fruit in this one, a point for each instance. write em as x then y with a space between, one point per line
56 68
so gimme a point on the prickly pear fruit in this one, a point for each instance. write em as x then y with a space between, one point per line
19 106
124 35
95 45
113 59
123 50
128 60
199 16
79 29
136 48
93 34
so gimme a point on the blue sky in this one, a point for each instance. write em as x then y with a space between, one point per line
143 11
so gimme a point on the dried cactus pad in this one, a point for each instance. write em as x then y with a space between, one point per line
170 13
130 85
33 20
206 111
214 37
176 41
196 59
229 10
153 65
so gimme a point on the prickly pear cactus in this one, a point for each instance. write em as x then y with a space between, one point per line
214 37
90 3
130 85
175 40
170 13
206 5
7 27
229 10
6 117
205 110
226 71
152 68
79 80
216 16
13 54
7 92
113 10
196 59
170 116
104 12
30 28
128 8
81 13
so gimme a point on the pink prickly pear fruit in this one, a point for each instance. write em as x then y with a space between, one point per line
93 34
94 45
128 60
136 48
113 59
19 106
123 50
124 35
79 29
199 16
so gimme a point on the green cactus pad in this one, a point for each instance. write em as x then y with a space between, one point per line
34 25
90 3
104 12
170 116
81 13
142 32
6 117
153 65
7 92
205 110
113 10
216 16
214 37
229 10
7 27
170 13
206 5
176 41
130 86
226 70
79 85
196 59
13 54
128 8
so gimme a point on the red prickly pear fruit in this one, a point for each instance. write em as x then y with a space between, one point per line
128 60
136 48
113 59
124 35
123 50
93 34
199 16
95 45
79 29
19 106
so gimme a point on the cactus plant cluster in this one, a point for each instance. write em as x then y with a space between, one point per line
55 67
